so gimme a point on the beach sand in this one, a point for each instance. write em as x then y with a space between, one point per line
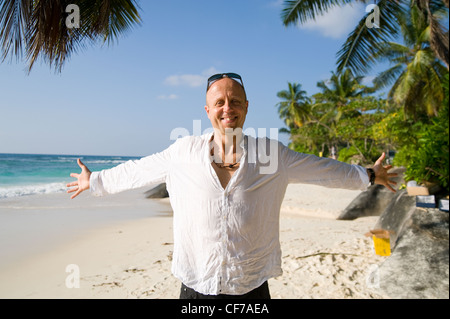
131 258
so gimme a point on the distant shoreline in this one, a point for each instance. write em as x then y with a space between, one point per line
29 174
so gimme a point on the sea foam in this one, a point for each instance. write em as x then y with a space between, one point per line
16 191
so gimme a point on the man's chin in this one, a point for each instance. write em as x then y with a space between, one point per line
228 129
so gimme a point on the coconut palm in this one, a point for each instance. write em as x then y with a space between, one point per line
338 92
357 51
416 73
331 104
340 88
39 27
294 107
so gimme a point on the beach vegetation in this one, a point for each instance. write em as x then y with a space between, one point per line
415 76
339 117
422 144
412 120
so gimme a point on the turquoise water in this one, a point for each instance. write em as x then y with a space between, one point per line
28 174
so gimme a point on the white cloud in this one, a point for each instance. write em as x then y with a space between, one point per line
191 80
339 21
168 97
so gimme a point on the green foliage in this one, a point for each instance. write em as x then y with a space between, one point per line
363 126
346 154
415 72
422 145
340 117
429 160
414 120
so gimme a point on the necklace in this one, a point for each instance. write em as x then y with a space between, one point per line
220 165
226 166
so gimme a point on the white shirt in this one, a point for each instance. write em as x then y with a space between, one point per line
226 241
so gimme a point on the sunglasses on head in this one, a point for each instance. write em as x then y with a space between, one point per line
219 76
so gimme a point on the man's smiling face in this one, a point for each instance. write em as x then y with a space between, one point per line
226 105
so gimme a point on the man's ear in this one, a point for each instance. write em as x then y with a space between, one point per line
207 109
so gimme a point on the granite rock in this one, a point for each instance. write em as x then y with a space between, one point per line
159 191
419 264
373 201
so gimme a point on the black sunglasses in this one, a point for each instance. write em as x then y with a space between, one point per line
219 76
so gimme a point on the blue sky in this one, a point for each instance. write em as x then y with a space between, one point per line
127 98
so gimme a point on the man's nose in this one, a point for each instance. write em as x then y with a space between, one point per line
227 106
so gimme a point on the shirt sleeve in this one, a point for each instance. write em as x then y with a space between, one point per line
322 171
148 170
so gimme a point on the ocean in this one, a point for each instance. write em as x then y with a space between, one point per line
29 174
36 215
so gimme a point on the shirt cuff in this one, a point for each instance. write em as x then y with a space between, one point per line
364 177
95 184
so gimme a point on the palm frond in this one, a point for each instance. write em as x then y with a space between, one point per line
40 27
392 51
439 41
300 11
110 18
386 78
357 51
433 95
14 17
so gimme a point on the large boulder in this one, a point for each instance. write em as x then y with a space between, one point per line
397 215
373 201
419 264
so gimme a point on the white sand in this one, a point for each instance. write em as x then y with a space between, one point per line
322 257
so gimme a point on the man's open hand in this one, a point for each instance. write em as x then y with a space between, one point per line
82 182
382 177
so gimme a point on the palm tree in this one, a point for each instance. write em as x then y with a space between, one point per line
294 107
343 87
357 51
330 105
416 72
39 28
339 91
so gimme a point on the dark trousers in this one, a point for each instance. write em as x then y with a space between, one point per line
262 292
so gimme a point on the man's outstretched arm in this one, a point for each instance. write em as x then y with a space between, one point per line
82 182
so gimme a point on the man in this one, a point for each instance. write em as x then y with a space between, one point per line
226 203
